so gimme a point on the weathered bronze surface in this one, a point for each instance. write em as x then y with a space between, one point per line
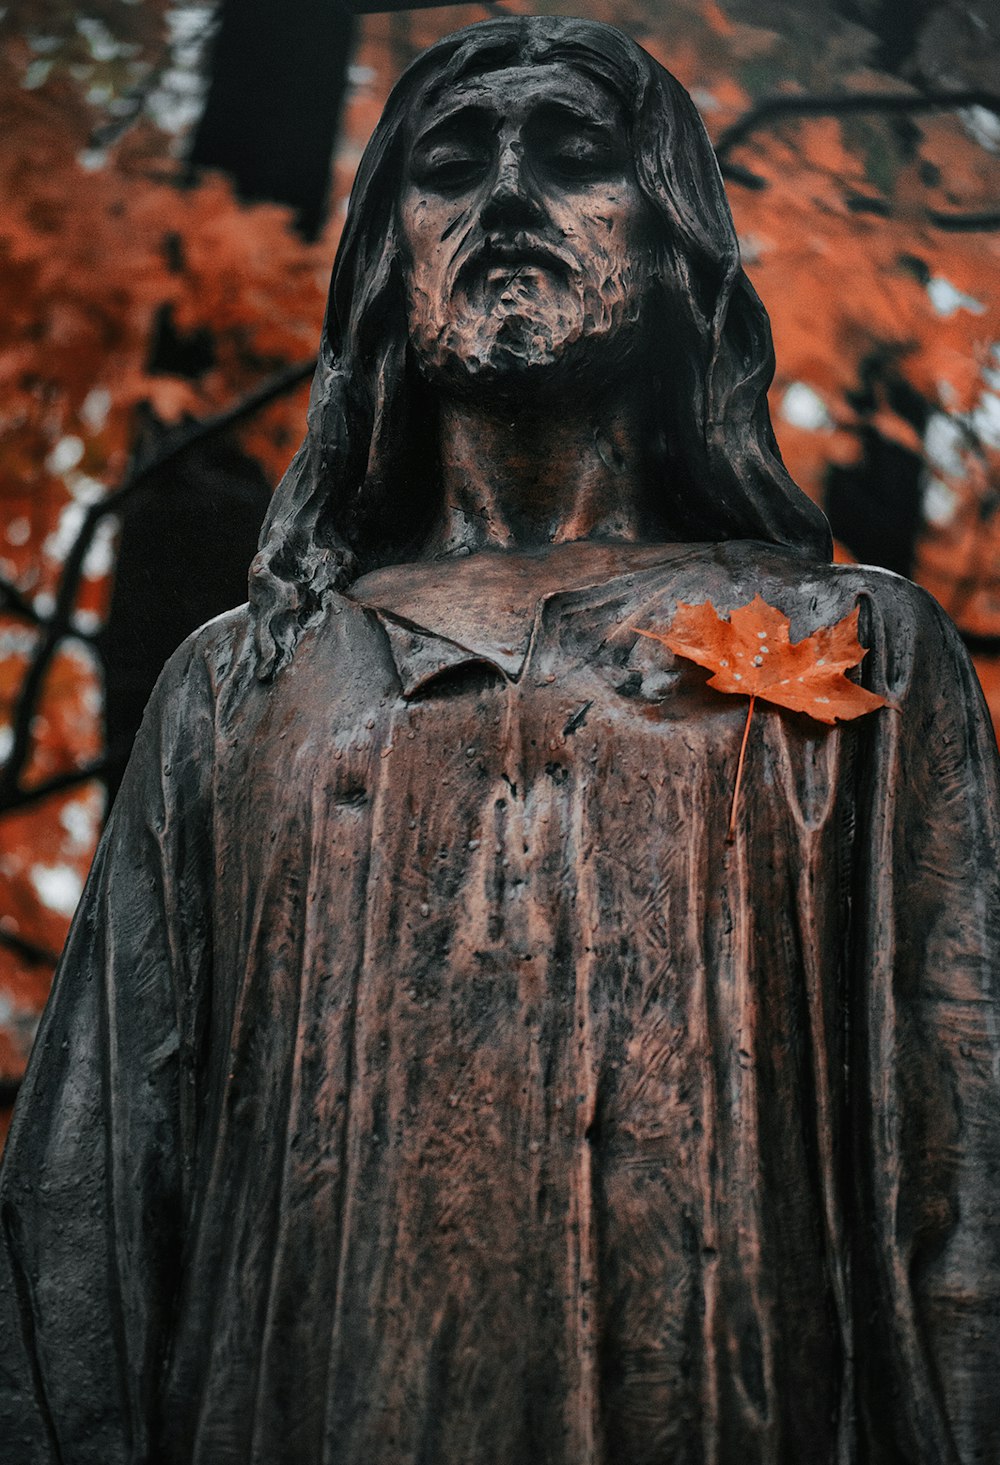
428 1078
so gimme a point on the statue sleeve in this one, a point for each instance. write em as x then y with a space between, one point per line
92 1192
925 1050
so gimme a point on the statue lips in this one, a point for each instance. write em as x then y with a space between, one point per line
498 260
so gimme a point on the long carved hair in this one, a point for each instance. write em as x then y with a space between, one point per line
364 486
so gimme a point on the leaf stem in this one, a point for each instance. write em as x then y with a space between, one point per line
731 834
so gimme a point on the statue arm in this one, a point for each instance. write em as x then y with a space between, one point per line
92 1189
925 1058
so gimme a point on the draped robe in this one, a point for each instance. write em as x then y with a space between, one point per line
427 1080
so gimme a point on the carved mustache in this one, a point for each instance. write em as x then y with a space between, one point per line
515 252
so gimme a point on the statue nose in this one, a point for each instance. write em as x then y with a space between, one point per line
511 196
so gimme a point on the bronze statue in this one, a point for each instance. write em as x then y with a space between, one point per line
429 1076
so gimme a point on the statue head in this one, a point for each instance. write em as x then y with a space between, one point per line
527 239
469 278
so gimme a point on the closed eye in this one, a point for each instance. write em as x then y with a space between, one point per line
450 172
454 152
573 150
578 162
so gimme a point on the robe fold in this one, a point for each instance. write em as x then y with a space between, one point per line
427 1080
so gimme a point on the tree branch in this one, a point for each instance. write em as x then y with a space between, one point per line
866 203
28 951
55 628
15 602
60 783
839 104
978 645
964 223
736 173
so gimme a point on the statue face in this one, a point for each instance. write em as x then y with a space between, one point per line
526 231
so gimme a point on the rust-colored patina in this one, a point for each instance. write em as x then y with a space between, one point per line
430 1079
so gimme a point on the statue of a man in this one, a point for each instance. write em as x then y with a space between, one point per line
429 1078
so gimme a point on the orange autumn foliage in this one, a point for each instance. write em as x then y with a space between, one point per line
96 252
93 259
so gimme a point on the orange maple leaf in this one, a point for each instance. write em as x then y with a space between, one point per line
752 655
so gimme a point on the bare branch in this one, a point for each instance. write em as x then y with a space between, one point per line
60 783
177 441
866 203
978 645
839 104
15 602
736 173
836 104
964 223
28 951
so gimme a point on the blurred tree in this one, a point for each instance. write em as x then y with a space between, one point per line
131 303
278 79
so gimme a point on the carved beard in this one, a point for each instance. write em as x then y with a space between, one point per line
490 328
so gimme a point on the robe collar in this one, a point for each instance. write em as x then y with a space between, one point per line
485 608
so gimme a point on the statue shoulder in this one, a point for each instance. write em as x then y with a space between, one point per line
218 665
901 625
208 657
811 592
900 603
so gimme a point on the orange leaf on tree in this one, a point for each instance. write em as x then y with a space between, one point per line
752 654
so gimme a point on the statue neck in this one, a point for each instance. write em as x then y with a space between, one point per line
518 476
